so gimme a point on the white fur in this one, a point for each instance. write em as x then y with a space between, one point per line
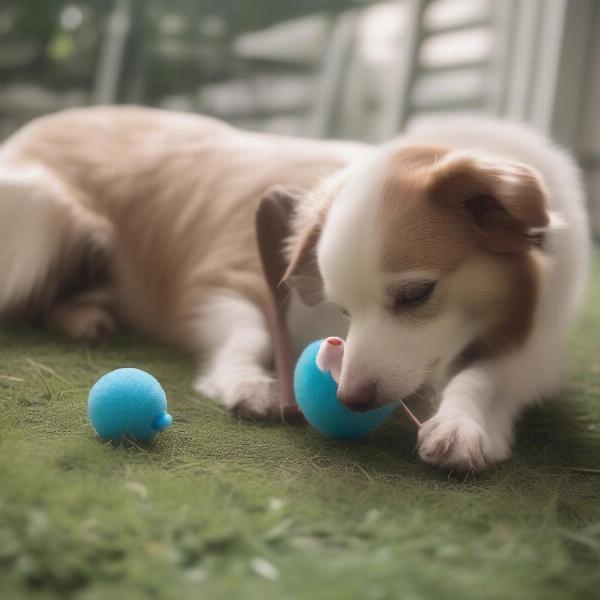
474 422
29 239
309 323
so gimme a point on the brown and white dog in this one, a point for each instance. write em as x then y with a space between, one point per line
452 259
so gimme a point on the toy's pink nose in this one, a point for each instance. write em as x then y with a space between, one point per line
330 357
359 398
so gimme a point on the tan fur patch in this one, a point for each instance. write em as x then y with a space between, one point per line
417 234
467 221
181 192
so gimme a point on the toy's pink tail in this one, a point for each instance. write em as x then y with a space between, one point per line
330 356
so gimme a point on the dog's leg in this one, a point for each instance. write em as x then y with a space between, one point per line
474 425
233 332
87 316
472 428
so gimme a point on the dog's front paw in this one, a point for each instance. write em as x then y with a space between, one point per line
256 397
455 441
86 322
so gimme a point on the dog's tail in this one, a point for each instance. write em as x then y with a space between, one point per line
44 235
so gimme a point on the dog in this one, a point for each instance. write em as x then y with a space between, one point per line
452 259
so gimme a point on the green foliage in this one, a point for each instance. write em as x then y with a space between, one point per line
220 508
173 46
45 48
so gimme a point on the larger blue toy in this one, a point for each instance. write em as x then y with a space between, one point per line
128 403
316 395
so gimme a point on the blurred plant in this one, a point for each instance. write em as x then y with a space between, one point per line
51 42
172 46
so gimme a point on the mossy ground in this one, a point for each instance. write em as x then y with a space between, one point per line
221 508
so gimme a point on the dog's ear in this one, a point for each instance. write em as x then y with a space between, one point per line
273 228
303 272
505 202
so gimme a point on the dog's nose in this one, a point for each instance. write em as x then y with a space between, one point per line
357 398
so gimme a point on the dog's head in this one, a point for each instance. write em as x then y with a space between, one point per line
431 255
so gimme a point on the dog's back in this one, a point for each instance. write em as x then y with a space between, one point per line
167 200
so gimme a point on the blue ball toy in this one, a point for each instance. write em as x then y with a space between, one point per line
128 403
316 395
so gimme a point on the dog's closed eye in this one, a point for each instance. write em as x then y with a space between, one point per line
410 294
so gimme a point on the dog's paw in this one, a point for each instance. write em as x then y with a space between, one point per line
455 441
87 322
256 398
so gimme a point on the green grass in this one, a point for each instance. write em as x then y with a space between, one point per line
220 508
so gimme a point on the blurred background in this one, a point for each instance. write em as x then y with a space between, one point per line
356 69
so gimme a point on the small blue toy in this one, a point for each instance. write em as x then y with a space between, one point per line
128 403
315 387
